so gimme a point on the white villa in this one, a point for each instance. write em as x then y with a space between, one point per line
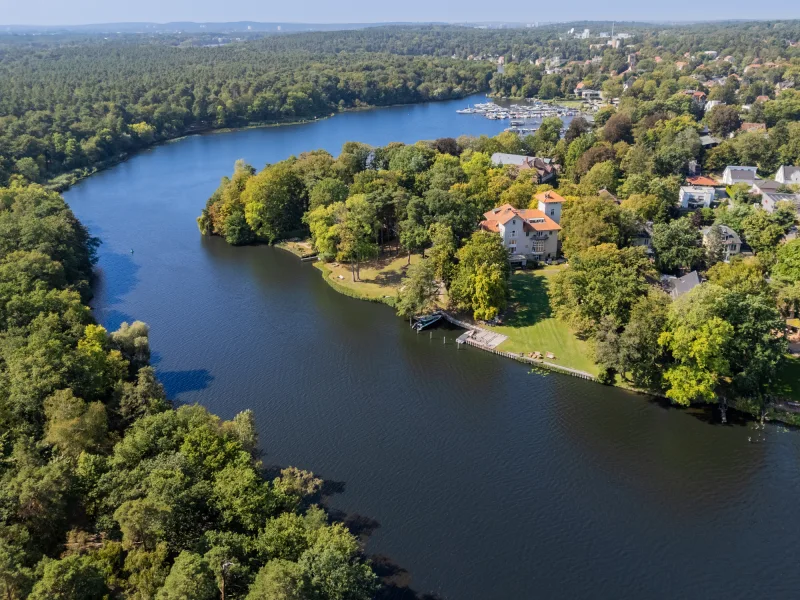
528 232
734 174
693 197
730 240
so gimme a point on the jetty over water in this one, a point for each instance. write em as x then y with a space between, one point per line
489 339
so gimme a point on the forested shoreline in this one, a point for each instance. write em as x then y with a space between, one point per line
97 102
107 490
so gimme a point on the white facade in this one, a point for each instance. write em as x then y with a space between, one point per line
519 239
734 174
693 197
788 175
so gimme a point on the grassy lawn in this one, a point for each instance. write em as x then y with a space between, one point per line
531 327
790 379
379 278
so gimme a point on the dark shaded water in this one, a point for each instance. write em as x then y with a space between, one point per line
482 480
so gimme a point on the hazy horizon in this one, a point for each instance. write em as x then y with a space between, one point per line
50 13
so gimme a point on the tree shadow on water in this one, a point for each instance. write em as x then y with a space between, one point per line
115 277
178 382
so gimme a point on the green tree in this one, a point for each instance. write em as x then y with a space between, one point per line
190 578
482 249
274 202
677 245
601 281
278 580
74 576
73 426
419 290
787 265
491 289
327 191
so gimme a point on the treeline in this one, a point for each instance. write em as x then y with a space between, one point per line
71 104
106 490
74 107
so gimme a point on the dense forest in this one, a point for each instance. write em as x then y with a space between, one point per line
106 489
72 103
77 106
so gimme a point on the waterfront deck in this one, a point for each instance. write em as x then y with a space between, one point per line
489 339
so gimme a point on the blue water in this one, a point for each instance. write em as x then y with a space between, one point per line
475 478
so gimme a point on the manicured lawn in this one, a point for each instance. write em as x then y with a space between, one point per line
790 379
379 278
530 326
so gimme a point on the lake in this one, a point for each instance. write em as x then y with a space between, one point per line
476 478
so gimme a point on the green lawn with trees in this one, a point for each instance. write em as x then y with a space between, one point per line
531 325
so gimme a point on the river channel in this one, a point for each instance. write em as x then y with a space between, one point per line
476 478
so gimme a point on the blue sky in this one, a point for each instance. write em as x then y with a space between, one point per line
72 12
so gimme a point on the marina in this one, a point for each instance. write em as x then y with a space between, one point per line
523 119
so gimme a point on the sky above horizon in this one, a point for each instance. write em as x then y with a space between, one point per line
81 12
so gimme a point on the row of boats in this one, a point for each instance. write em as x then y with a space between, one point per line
517 112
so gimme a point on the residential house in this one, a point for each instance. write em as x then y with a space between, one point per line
527 232
762 98
788 175
764 186
693 197
770 200
678 286
731 241
712 103
680 65
735 174
588 94
579 87
644 237
544 168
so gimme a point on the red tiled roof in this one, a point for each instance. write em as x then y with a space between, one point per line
700 180
503 214
549 197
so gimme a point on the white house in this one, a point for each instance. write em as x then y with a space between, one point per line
734 174
527 232
588 94
788 175
769 201
693 197
731 241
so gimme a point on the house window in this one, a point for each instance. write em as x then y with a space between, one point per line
538 247
552 211
527 234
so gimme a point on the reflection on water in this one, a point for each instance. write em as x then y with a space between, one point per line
471 477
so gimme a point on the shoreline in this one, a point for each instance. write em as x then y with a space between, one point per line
771 412
75 176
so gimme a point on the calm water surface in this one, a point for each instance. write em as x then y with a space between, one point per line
481 480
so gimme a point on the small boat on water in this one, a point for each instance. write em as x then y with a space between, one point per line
421 323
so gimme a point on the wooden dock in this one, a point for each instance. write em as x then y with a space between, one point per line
477 337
